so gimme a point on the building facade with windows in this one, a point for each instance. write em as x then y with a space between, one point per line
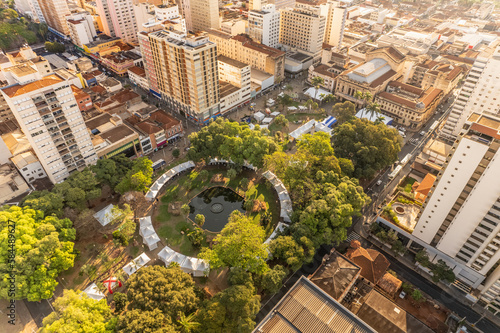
48 114
264 25
118 19
54 13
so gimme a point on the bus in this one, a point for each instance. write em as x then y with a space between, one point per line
434 126
158 165
405 160
395 172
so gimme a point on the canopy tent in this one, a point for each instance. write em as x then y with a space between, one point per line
259 116
264 127
189 265
136 264
280 188
275 113
93 292
320 127
303 129
270 102
252 126
374 116
302 107
248 165
267 120
151 195
151 241
202 268
292 108
165 254
330 121
280 227
178 258
105 215
317 94
158 184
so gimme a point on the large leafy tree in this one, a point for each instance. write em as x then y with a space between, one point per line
112 170
370 146
138 177
79 188
344 112
229 140
137 321
49 203
76 312
231 310
239 244
292 252
43 248
168 289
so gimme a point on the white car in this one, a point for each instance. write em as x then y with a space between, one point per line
422 133
379 182
402 295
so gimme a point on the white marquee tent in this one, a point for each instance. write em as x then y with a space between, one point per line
93 292
105 215
136 264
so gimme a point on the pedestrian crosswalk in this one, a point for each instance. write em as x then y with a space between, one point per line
353 236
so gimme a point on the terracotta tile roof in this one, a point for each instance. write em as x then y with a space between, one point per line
430 95
246 41
163 119
124 96
390 284
426 184
98 89
458 59
407 87
323 69
397 99
383 78
137 70
454 73
79 93
22 89
149 127
393 52
373 264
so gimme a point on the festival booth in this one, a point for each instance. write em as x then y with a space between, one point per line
93 292
105 215
136 264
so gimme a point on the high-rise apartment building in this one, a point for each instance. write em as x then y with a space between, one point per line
244 49
118 19
48 114
36 11
204 15
303 29
264 25
461 215
479 93
54 12
256 4
335 23
81 28
280 4
182 68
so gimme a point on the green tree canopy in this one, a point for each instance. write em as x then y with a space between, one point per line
344 112
55 47
291 252
167 289
240 244
231 310
230 140
43 249
370 146
48 202
138 321
138 177
76 312
272 280
112 170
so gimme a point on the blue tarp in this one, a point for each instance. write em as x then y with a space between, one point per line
330 121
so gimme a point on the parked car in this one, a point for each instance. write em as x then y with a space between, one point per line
402 295
422 133
379 182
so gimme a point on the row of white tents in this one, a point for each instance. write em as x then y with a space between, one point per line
158 184
190 265
136 264
148 233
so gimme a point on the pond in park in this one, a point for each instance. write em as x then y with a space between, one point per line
216 204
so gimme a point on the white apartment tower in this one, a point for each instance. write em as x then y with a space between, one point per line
48 114
264 25
335 23
480 92
281 4
461 215
81 28
182 69
118 19
204 15
256 4
303 29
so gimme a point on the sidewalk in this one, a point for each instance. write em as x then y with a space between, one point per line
24 322
456 294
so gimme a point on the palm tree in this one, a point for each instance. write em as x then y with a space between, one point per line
373 109
317 82
311 104
187 323
329 98
364 96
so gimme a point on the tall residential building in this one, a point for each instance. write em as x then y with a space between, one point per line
81 28
118 19
36 11
479 93
264 25
185 11
461 215
182 69
303 29
281 4
48 114
256 4
204 15
243 48
335 23
54 12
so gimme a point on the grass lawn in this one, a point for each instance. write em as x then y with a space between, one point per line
293 117
174 229
407 184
